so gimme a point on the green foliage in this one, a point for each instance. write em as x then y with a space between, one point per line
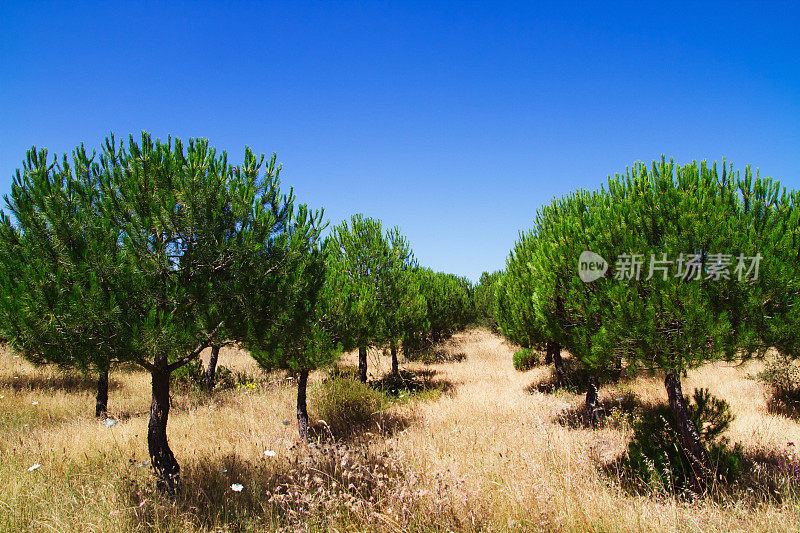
671 324
403 304
712 416
656 461
141 253
297 336
525 359
60 258
358 261
514 306
671 320
345 404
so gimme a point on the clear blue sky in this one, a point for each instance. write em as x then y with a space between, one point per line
454 120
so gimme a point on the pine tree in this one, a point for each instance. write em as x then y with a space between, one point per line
358 261
148 267
294 333
680 319
59 300
401 302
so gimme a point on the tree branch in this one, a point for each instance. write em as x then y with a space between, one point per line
194 353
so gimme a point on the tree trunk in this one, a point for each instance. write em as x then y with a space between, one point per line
362 364
592 394
161 458
302 408
211 369
687 432
555 350
101 401
618 367
395 365
548 354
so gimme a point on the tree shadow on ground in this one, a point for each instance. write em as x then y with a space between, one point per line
576 380
67 382
382 423
611 412
435 354
762 474
653 464
785 403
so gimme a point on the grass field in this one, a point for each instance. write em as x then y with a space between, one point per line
480 450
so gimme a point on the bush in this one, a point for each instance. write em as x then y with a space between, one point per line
655 459
345 405
525 359
782 377
190 377
342 371
224 379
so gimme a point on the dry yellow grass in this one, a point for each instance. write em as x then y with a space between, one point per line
487 455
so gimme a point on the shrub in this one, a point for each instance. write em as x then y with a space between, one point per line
225 379
655 460
525 359
346 405
782 377
190 377
343 371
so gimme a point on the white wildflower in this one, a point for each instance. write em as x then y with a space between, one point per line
237 487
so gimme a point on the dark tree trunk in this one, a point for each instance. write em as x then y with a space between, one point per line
548 354
554 349
592 407
362 364
211 369
617 367
302 408
395 365
101 401
687 432
161 458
